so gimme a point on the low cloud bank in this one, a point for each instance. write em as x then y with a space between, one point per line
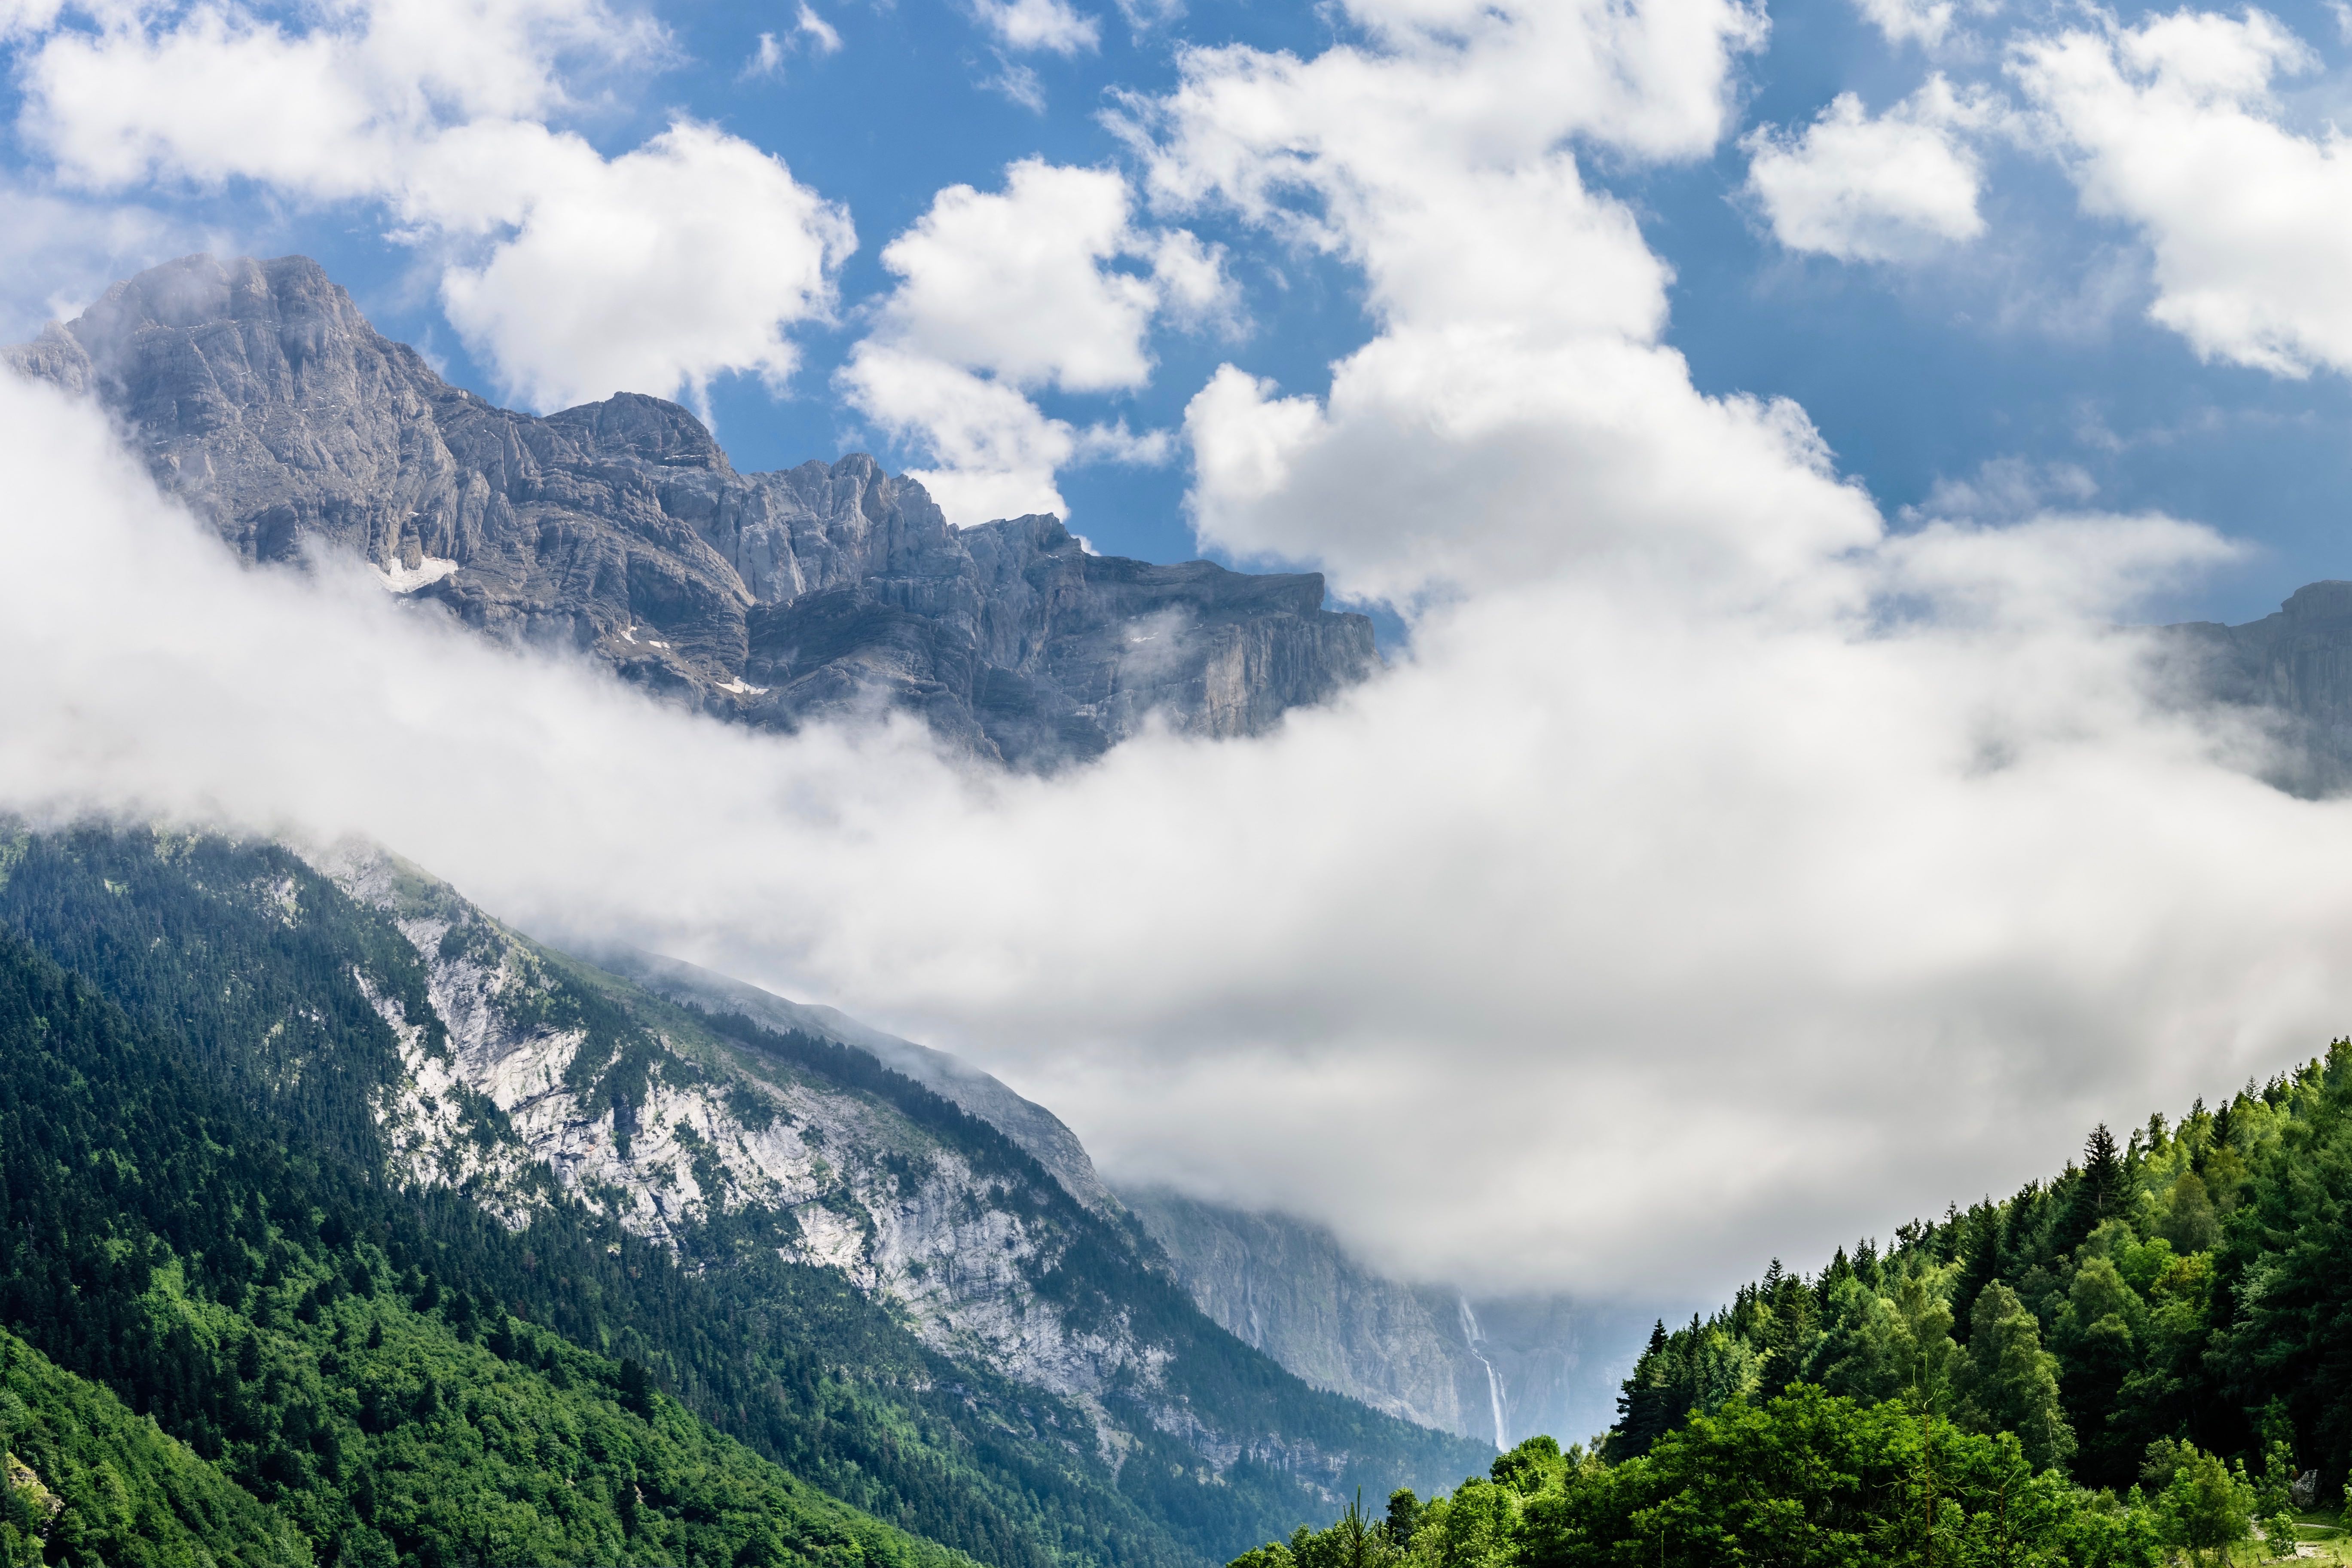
1613 941
1721 875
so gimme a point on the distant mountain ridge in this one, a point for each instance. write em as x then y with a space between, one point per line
261 396
2295 665
1498 1369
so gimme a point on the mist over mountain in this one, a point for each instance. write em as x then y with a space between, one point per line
715 1198
1496 1369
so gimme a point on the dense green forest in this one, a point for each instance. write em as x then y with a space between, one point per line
198 1220
2150 1354
250 1302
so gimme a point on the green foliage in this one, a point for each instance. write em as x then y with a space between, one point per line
2179 1304
2206 1506
160 1241
2192 1283
2010 1383
1807 1477
88 1482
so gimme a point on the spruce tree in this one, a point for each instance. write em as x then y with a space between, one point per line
2103 1174
1646 1410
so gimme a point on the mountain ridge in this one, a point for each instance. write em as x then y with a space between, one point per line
999 1367
259 394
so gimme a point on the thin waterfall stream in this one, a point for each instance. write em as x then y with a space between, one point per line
1473 1339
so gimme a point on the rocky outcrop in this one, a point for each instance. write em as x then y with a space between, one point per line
1040 1133
668 1127
1498 1370
2293 668
260 394
526 1075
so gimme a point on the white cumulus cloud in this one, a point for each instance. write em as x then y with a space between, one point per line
1910 21
685 258
1052 26
1892 187
1047 283
2172 128
668 265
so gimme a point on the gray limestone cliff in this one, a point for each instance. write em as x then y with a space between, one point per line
507 1094
1496 1370
2294 669
1499 1370
260 394
1041 1133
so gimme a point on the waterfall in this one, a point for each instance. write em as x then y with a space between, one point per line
1473 1339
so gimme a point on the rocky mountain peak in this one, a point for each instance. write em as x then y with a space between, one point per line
263 398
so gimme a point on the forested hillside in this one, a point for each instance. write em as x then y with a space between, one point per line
286 1323
204 1215
2150 1353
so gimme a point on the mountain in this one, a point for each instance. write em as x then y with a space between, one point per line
230 1344
2295 665
1040 1133
820 1256
263 399
1493 1368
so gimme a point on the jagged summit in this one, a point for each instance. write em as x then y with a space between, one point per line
262 396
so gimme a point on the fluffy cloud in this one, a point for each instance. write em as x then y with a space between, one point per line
1609 940
1517 410
1014 283
670 264
1716 875
2171 127
1053 26
1891 188
1910 21
1048 283
437 109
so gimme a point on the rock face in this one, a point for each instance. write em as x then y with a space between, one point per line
1044 1135
528 1074
2297 666
262 396
1491 1370
1496 1370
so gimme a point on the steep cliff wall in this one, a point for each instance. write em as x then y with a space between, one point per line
525 1073
2294 669
260 394
1496 1369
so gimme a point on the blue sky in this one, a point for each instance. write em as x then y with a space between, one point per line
2029 346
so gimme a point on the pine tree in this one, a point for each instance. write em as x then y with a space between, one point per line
2103 1174
1646 1410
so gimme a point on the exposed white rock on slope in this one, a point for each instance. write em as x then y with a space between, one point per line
1037 1130
710 1129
